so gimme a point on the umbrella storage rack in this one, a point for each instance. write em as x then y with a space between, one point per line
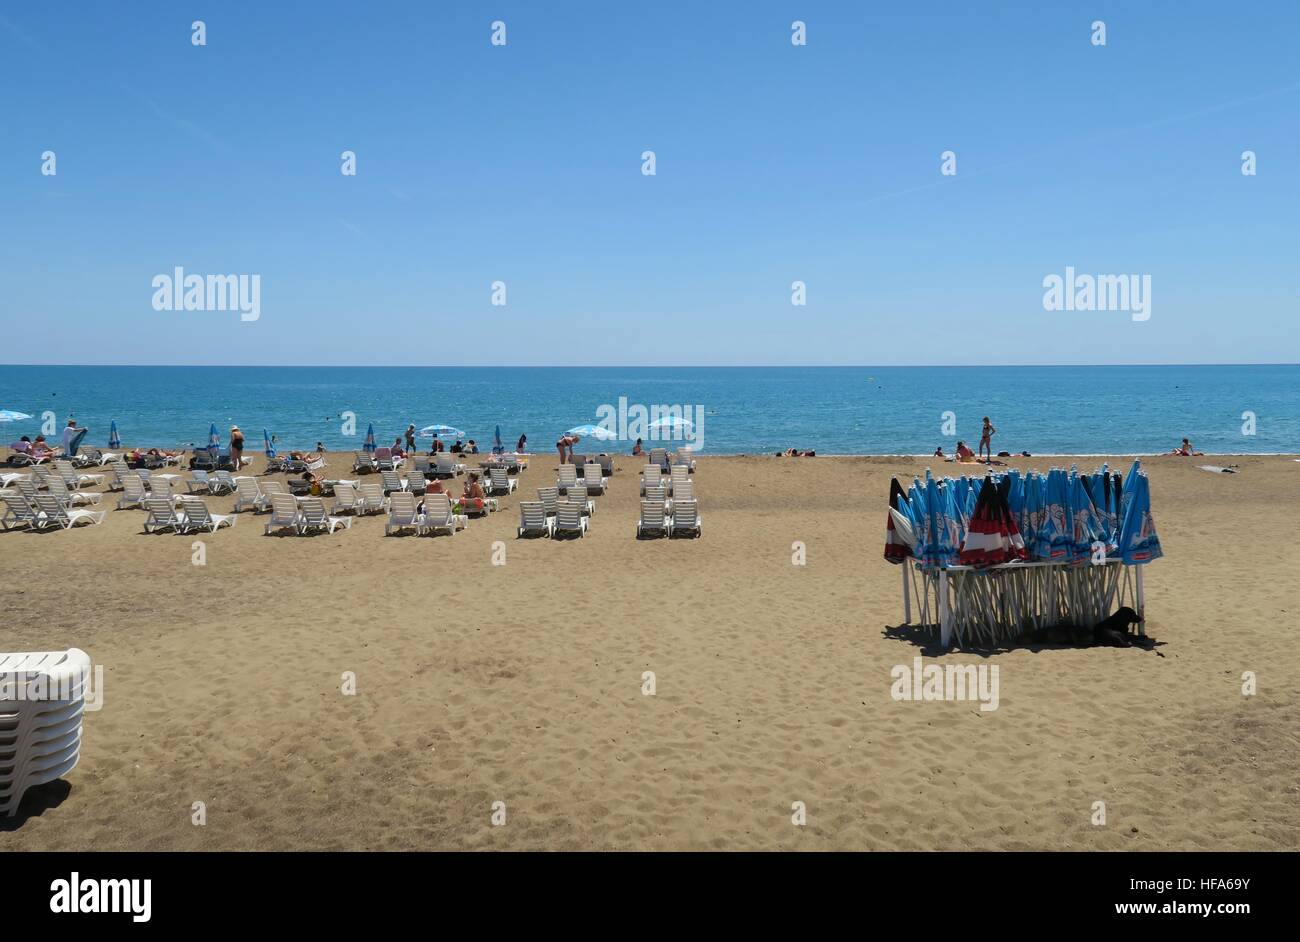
999 604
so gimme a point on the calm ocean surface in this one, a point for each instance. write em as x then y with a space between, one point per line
835 410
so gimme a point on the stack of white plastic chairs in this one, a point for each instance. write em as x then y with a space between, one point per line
42 698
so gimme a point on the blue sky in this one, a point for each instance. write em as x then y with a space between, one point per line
775 163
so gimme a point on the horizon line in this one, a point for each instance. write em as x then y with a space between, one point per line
626 366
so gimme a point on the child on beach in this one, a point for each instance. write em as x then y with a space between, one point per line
986 437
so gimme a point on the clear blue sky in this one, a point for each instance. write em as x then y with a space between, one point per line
775 163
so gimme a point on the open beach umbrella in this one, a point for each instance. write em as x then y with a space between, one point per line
113 440
592 431
899 535
266 440
441 431
214 440
671 422
369 443
9 415
1138 542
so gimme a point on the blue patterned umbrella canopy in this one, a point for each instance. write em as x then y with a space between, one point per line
1138 542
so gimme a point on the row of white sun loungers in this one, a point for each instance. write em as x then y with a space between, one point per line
44 511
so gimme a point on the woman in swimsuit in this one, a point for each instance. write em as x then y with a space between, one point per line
986 438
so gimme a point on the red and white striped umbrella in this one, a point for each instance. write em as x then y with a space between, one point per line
993 537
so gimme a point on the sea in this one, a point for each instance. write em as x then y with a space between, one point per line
1044 410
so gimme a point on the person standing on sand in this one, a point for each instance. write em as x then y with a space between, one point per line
521 445
986 438
410 439
236 448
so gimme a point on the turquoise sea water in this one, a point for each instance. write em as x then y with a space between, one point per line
834 410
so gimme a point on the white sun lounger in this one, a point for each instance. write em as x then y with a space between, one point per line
160 514
578 495
284 515
652 518
659 493
199 482
549 498
59 488
566 477
533 520
402 513
248 494
19 512
54 513
392 481
364 463
593 477
438 515
133 492
444 466
73 478
685 518
196 516
651 476
222 482
312 516
372 500
347 499
501 482
569 519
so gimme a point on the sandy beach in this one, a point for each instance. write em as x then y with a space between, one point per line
522 683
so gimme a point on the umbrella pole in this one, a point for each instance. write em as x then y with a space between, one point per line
1142 605
907 594
945 624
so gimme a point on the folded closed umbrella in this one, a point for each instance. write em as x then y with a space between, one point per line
369 443
1138 542
214 440
113 440
898 547
266 440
